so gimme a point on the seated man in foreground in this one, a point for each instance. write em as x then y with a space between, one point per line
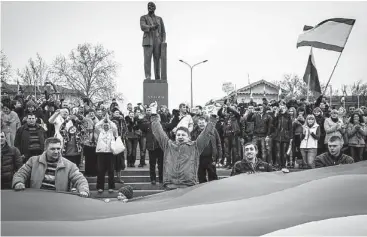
181 157
334 156
51 171
250 163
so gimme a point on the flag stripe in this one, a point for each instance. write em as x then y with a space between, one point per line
329 35
320 45
339 20
312 75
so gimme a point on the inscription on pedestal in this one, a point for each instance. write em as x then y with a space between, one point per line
155 90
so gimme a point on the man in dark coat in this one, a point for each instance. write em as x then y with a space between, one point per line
250 163
11 161
30 138
283 134
334 156
211 154
155 152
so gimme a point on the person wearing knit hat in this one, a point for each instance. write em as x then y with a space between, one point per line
182 150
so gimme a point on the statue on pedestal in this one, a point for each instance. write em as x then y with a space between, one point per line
154 37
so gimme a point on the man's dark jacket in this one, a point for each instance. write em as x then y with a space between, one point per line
22 138
10 163
283 127
263 124
214 148
244 166
326 159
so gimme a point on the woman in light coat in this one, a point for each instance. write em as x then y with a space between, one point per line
334 126
10 123
107 133
310 137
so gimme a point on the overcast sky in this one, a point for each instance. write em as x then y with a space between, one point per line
236 38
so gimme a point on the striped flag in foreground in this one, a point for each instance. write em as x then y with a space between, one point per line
311 77
331 34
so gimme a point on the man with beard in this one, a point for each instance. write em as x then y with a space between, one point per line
250 163
181 157
211 154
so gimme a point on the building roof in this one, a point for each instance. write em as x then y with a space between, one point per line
246 89
13 88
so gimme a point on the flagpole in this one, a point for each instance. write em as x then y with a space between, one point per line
331 95
337 60
309 79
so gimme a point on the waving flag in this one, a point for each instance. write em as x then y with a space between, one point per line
311 76
331 34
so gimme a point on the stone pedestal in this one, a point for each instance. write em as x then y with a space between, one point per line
155 90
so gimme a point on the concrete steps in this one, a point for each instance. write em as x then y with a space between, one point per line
138 179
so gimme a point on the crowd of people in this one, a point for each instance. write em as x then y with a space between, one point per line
186 146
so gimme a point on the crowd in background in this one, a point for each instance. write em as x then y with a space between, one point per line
288 134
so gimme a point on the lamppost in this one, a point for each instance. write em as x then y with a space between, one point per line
191 68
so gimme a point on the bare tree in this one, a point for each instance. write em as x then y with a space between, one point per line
359 88
6 70
36 72
295 87
89 69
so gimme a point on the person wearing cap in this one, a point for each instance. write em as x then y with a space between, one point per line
250 164
181 157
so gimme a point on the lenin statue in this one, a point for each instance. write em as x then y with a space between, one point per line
154 36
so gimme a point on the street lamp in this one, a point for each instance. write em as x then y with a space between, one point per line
191 68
